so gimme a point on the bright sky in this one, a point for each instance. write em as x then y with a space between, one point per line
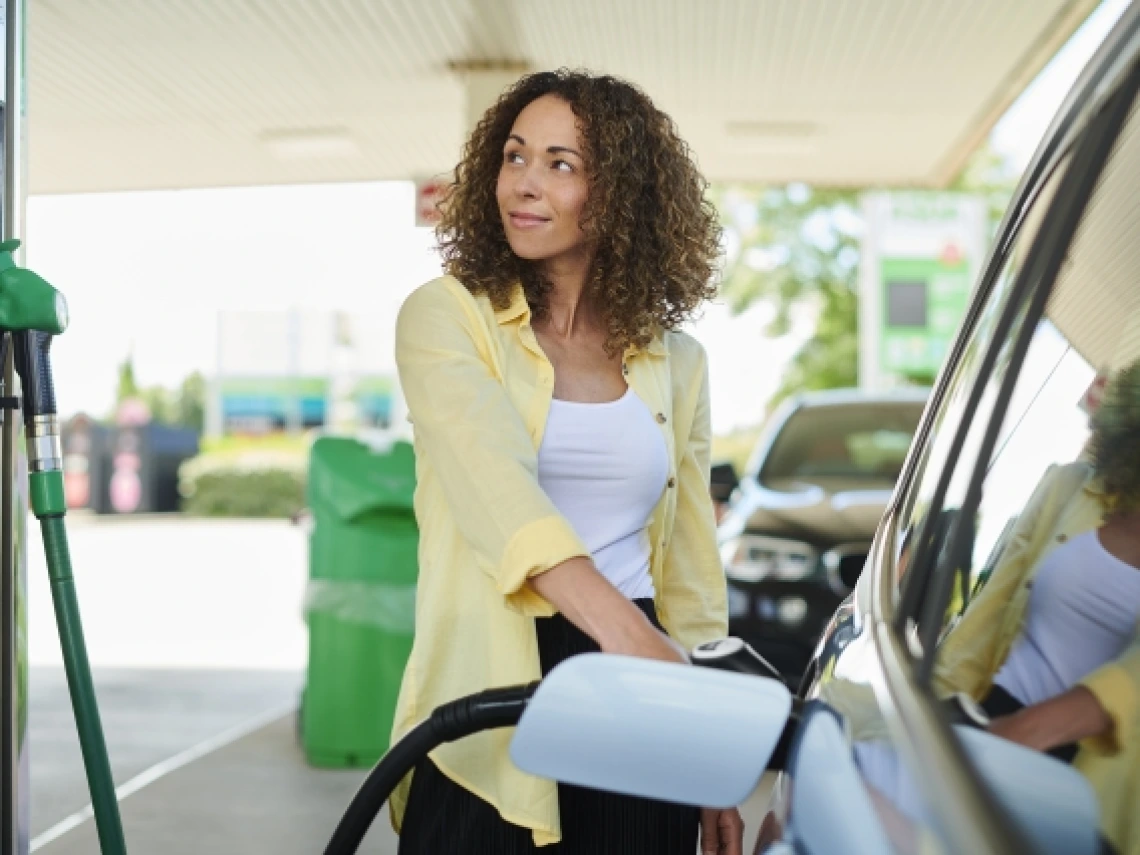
149 272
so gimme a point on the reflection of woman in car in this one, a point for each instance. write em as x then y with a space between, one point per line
1051 646
562 450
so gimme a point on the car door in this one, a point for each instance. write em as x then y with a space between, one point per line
876 766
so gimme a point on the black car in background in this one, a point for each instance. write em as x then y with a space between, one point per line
801 520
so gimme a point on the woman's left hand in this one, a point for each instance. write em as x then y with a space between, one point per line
722 832
1069 717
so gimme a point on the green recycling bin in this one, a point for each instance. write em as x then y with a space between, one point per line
360 600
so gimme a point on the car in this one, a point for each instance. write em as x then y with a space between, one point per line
799 523
885 758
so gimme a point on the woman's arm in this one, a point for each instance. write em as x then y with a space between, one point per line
1116 687
1067 718
596 607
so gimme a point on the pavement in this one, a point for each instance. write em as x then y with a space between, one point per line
198 649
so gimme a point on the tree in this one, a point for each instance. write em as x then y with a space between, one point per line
185 406
799 248
190 409
128 387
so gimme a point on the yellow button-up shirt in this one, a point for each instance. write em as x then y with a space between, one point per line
478 388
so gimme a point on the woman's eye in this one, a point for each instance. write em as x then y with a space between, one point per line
512 157
563 165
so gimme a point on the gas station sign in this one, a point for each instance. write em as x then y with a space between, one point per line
921 254
924 301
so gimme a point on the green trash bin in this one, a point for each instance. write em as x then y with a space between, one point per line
360 601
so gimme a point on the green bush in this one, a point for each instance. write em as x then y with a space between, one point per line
248 484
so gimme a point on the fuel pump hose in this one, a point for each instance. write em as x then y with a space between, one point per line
31 310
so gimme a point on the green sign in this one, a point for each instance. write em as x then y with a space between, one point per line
924 301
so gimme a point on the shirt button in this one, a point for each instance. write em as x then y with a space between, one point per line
661 418
671 483
1061 538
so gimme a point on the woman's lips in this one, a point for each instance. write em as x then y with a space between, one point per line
527 221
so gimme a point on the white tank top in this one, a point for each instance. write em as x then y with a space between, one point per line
604 467
1083 610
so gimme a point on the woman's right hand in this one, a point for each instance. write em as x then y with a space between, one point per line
596 607
646 642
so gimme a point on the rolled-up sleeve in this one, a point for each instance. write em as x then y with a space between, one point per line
1117 687
695 594
478 446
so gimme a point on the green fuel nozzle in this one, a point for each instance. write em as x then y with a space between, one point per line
27 301
33 311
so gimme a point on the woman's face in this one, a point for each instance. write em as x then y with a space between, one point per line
542 185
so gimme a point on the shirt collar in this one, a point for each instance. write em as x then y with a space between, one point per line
518 307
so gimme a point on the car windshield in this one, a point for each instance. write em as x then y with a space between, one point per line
864 442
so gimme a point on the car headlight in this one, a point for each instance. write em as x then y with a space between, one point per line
752 557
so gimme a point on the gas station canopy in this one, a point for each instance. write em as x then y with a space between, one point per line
138 94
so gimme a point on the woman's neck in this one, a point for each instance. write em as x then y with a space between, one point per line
1120 535
569 315
569 308
1126 520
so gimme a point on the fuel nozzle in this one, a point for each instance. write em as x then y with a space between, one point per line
33 311
733 654
27 300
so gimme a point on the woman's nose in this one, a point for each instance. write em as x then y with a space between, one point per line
528 185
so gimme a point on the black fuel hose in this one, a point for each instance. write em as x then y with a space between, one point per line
497 708
487 710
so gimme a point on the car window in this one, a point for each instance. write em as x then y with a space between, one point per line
1041 602
934 455
865 443
1091 333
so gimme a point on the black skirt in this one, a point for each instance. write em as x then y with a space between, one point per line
442 818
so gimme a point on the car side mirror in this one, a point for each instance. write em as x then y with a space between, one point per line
723 480
640 727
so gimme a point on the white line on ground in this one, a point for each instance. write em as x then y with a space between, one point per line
161 770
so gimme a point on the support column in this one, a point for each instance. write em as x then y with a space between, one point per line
15 794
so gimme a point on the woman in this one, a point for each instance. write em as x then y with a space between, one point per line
1052 647
562 440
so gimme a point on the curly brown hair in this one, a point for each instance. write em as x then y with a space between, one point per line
1116 441
657 234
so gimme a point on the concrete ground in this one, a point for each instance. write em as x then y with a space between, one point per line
198 646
